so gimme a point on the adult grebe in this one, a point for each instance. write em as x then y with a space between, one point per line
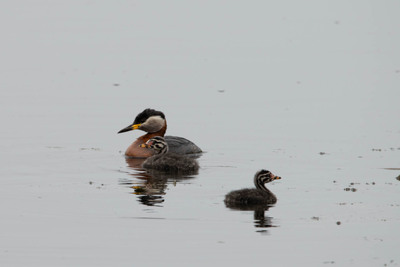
253 196
167 162
154 123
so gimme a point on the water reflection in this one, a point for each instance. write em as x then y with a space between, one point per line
150 185
260 220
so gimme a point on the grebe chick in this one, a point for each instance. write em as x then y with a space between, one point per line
154 123
167 162
253 196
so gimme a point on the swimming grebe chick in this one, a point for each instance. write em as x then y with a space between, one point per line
165 161
154 123
254 196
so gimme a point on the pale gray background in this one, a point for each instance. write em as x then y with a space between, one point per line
256 84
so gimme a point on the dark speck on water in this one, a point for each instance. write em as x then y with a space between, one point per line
350 189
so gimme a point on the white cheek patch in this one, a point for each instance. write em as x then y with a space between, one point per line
154 123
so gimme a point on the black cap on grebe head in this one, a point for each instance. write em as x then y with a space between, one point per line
147 113
149 120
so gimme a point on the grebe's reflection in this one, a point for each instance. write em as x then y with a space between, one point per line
150 185
262 221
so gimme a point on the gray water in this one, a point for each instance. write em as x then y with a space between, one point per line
308 90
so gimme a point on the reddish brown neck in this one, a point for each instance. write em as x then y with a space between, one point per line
135 151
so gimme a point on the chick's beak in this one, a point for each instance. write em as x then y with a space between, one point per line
130 128
274 177
147 144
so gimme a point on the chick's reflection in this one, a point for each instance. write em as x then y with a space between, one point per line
260 220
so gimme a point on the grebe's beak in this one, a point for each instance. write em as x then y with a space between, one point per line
130 128
274 177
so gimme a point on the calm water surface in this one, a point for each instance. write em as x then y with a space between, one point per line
310 93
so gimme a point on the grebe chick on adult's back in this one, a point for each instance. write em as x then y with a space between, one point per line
254 196
167 162
154 123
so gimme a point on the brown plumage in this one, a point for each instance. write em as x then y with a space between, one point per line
136 151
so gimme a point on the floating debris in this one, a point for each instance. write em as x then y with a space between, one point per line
385 149
350 189
338 223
